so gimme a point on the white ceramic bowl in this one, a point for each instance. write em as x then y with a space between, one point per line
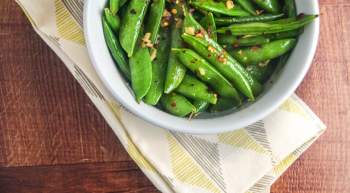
284 83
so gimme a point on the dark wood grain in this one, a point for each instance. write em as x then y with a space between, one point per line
52 139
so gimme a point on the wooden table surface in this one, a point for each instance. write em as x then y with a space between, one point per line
52 139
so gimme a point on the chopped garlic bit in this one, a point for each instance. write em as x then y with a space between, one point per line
146 42
190 30
201 71
211 49
263 64
153 54
230 4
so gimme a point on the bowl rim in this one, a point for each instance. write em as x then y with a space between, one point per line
195 126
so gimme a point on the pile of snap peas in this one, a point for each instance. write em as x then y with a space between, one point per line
188 57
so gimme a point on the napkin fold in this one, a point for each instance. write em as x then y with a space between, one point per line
245 160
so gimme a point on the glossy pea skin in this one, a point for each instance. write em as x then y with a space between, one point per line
223 104
176 70
208 23
247 5
131 24
201 106
159 65
259 28
207 73
222 21
261 73
227 39
177 105
192 88
112 20
290 8
154 18
219 8
271 6
116 50
225 64
265 52
141 72
114 6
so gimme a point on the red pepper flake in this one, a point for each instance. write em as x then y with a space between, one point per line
173 104
255 48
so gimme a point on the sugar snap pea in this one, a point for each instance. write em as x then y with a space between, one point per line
112 20
159 66
141 71
259 28
194 89
214 53
131 24
271 6
116 50
259 18
200 105
176 70
247 5
266 52
177 105
219 7
208 23
207 73
154 18
225 64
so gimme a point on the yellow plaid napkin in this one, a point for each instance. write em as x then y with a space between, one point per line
246 160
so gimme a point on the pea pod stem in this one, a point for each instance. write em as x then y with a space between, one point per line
208 23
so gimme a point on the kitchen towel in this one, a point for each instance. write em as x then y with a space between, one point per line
245 160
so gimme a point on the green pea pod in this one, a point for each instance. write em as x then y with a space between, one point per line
122 2
154 18
131 24
177 105
258 28
261 73
208 23
225 64
290 8
112 20
219 8
259 18
159 69
223 104
176 70
114 6
271 6
227 39
207 73
246 84
141 72
116 50
265 52
248 6
195 89
201 106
